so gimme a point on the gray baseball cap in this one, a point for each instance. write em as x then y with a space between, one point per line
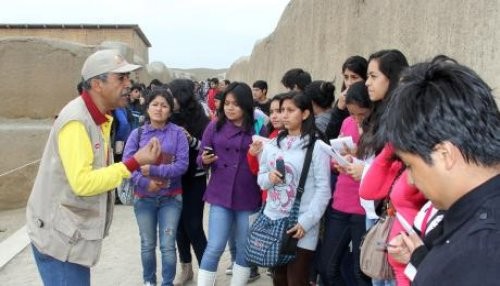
106 61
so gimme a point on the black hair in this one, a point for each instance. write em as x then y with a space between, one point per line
191 115
214 80
136 86
155 82
227 82
79 87
296 77
243 96
270 128
321 92
260 84
356 64
391 64
308 127
441 101
358 94
163 92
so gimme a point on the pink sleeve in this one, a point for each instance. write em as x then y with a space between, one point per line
407 198
379 178
348 126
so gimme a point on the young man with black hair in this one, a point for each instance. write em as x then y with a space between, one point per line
136 105
259 93
296 79
445 125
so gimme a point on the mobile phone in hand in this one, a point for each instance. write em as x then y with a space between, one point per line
209 150
406 225
280 167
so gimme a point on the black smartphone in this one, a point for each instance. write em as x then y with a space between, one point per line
209 150
280 167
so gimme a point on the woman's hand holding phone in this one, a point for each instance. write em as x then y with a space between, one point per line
275 177
208 156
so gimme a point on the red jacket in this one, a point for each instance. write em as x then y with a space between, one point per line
253 163
405 198
211 99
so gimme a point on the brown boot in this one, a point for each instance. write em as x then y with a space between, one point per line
185 275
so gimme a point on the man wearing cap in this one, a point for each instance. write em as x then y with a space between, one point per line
70 208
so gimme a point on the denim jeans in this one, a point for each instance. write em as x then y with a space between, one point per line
378 282
341 229
158 218
59 273
231 244
220 222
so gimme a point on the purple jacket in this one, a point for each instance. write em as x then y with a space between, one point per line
231 184
174 159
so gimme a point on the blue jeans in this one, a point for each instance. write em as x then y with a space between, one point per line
59 273
231 244
161 213
220 222
378 282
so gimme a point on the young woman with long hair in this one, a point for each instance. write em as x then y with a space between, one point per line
158 193
291 144
189 115
345 218
232 192
386 175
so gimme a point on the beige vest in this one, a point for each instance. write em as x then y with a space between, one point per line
61 224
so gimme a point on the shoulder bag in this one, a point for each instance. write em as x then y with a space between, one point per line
268 244
373 253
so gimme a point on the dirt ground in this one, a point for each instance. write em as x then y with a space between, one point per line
120 263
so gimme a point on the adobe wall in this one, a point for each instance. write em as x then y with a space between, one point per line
85 36
318 35
38 76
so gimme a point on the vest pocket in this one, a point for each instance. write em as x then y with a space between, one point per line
77 227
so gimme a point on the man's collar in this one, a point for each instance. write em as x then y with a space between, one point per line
96 114
466 206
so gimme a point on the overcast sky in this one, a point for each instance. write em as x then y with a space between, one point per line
183 33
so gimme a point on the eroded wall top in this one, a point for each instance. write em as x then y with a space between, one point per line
318 35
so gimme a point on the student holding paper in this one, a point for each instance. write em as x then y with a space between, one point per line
384 71
345 219
353 70
274 126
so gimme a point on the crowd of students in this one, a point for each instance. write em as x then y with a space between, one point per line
212 152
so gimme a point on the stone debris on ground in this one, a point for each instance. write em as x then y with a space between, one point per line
119 264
